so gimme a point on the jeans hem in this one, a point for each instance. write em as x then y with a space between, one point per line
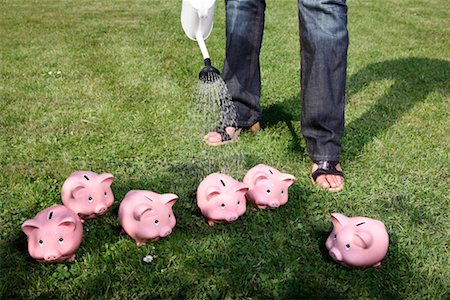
249 123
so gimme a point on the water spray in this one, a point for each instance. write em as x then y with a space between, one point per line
213 109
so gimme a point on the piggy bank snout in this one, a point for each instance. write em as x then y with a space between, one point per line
274 204
100 209
335 254
166 231
51 256
232 217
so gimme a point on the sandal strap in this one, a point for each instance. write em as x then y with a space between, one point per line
326 167
224 136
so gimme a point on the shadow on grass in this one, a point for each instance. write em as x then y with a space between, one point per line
372 282
264 254
414 78
287 112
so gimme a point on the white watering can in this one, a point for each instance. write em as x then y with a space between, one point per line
197 22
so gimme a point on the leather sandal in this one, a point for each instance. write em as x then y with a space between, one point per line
226 138
327 168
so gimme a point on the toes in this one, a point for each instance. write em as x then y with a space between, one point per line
323 182
213 137
230 131
339 180
332 181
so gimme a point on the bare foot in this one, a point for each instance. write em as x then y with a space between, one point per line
215 139
332 183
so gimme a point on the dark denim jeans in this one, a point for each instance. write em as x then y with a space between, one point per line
323 44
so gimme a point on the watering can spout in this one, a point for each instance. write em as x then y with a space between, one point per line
197 21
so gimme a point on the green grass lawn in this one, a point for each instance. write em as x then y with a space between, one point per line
107 86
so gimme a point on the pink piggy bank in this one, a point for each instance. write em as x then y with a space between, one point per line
147 216
268 187
221 198
54 234
88 194
357 241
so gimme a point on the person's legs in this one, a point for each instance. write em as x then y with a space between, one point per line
241 71
324 43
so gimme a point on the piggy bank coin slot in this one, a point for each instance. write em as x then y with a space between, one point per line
360 223
223 183
50 215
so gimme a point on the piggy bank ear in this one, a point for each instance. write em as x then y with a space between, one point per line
363 238
68 222
106 178
29 226
258 177
241 189
212 192
77 189
169 199
288 178
338 220
140 209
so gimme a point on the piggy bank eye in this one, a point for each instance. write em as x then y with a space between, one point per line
347 247
268 192
334 237
41 243
282 193
156 222
170 215
61 240
90 199
222 205
239 203
106 194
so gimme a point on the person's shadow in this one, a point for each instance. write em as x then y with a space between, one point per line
413 80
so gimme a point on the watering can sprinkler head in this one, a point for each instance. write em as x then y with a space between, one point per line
208 73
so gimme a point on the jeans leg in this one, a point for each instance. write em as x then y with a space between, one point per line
323 43
241 71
